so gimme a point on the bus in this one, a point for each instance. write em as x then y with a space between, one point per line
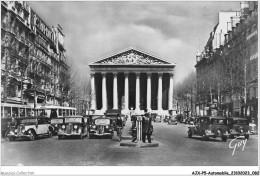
56 111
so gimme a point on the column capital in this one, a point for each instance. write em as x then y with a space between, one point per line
171 75
126 74
149 75
92 74
103 74
160 75
115 74
137 75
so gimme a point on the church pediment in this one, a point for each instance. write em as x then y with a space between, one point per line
131 56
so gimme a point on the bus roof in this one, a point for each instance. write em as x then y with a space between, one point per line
15 105
55 107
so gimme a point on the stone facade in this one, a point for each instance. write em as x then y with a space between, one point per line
33 59
134 80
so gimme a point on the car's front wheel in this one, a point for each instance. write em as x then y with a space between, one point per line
32 136
80 136
189 134
224 138
246 136
50 134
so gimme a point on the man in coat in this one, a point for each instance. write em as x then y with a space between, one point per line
147 127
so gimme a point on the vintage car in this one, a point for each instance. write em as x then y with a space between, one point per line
8 124
189 121
102 126
73 126
238 126
158 118
209 126
55 122
253 128
31 128
172 120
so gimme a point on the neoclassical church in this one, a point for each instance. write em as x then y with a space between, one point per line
132 80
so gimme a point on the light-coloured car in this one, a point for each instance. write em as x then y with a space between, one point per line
31 128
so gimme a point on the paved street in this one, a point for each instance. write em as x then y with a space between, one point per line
175 149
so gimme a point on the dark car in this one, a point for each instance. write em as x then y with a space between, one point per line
172 120
55 122
189 121
238 126
102 126
73 126
31 128
209 126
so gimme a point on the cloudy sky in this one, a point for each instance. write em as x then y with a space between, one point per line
172 30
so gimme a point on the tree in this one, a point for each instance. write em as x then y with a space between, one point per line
186 92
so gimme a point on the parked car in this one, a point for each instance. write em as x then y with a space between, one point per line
8 124
102 126
158 118
172 120
238 126
31 128
167 118
189 120
253 128
55 122
209 126
73 126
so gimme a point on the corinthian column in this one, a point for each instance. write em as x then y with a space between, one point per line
115 97
148 103
104 92
160 91
93 92
137 98
126 92
170 92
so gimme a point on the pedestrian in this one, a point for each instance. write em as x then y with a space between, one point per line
147 127
134 129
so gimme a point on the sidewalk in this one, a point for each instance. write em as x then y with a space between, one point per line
126 132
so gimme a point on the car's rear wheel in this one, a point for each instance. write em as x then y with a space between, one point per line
246 136
11 138
32 136
189 134
224 138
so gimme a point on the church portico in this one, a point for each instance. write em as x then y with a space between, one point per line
132 80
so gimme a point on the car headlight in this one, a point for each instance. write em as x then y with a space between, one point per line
242 130
23 130
29 132
63 126
106 127
56 125
94 126
15 130
75 127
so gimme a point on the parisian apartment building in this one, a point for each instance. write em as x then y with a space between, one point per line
34 69
227 70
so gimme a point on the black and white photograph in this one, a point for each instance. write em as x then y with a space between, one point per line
129 88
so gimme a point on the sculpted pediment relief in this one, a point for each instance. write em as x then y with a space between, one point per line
131 57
